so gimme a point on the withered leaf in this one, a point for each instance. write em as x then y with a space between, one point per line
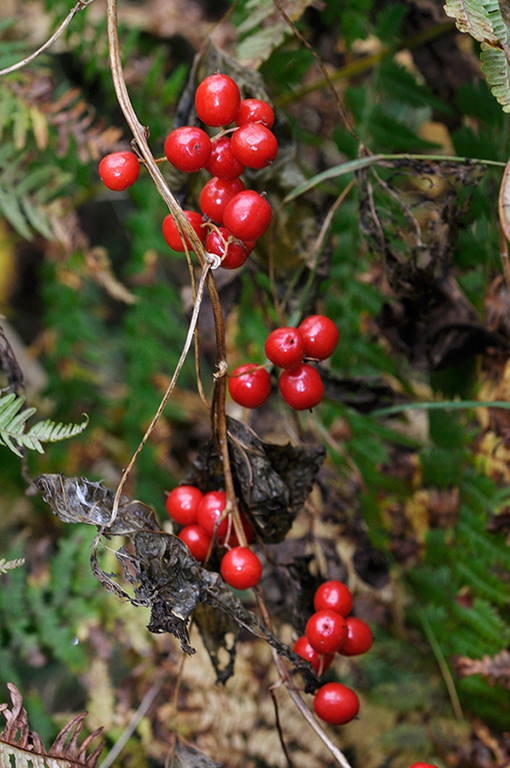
495 669
272 481
215 629
78 500
19 741
159 566
189 757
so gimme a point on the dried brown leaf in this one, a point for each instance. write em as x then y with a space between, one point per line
26 746
494 669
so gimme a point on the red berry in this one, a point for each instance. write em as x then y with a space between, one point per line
182 504
320 335
359 637
254 111
254 145
173 236
301 387
216 194
188 148
285 347
119 170
210 510
319 662
248 215
233 253
223 162
241 568
336 704
217 100
422 765
197 540
335 596
249 386
326 631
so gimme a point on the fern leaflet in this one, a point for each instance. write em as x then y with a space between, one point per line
13 422
473 16
8 565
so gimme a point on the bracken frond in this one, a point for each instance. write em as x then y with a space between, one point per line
13 422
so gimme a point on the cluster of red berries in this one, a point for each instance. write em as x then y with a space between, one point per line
204 524
300 383
331 630
232 217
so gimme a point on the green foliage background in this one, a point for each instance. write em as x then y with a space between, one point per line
111 358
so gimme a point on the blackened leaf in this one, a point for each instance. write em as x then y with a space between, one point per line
189 757
215 629
77 500
160 567
272 481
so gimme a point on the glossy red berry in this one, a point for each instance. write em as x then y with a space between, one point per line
119 170
188 148
334 595
172 234
336 704
197 541
233 253
320 335
217 100
422 765
255 111
285 347
222 162
301 387
254 145
182 504
248 215
216 194
359 637
210 513
326 631
319 662
249 386
241 568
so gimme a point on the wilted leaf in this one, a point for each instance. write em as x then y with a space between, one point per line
161 569
495 669
18 741
189 757
214 629
77 500
272 481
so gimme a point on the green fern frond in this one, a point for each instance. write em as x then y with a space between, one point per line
474 17
9 565
496 69
13 421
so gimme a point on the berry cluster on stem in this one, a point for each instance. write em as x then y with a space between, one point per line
206 523
332 630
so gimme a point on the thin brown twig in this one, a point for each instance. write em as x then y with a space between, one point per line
168 393
293 692
140 144
279 728
80 5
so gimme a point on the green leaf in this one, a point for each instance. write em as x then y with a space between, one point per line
12 427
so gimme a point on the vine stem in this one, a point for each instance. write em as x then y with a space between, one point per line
294 693
168 393
140 134
80 5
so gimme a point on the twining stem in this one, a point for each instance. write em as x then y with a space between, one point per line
168 393
80 5
140 144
